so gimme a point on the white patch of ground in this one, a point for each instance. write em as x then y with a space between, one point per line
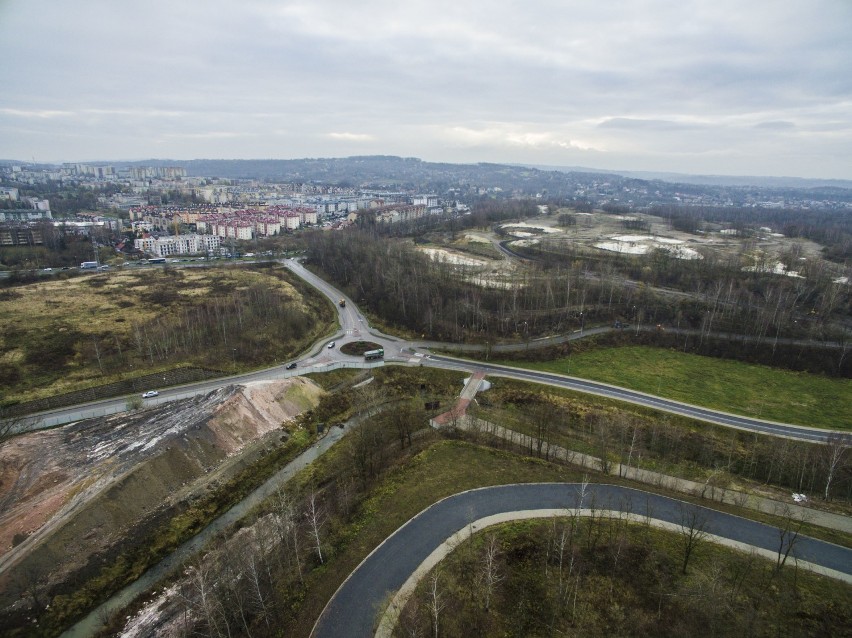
439 254
632 238
682 252
477 239
842 280
150 619
521 233
643 244
539 227
623 247
494 281
773 269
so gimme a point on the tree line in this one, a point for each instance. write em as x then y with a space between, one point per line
715 457
565 289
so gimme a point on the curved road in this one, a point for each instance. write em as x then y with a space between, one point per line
352 611
354 326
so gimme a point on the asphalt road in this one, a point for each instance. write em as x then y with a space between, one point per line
631 396
354 327
352 611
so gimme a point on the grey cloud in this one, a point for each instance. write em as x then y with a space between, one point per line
776 125
634 79
628 123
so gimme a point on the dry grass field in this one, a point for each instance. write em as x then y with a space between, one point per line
60 335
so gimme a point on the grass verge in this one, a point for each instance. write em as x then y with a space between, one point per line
748 389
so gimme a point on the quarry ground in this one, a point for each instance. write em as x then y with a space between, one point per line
608 234
69 494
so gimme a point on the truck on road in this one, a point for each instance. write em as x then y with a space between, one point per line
342 303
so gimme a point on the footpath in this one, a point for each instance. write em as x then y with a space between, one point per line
457 417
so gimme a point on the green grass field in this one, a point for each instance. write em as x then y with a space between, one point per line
732 386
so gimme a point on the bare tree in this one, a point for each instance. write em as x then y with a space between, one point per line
837 445
490 575
255 578
315 515
405 420
286 523
10 425
693 531
631 450
235 592
367 447
6 430
582 492
409 622
435 603
200 596
788 534
29 582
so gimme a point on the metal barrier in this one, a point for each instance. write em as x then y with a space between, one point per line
32 423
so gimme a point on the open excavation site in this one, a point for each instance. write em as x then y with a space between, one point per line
763 250
72 497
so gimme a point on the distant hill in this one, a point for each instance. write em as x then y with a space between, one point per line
617 190
708 180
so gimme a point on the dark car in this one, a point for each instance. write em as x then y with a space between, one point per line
290 366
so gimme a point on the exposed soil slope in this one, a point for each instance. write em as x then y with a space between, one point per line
68 493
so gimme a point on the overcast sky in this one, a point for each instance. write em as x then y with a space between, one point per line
738 87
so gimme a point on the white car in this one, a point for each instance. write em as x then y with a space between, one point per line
331 345
150 393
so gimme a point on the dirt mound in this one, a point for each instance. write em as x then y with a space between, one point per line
66 494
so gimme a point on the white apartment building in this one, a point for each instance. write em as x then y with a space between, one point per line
429 201
308 216
9 193
267 227
241 230
293 220
178 245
